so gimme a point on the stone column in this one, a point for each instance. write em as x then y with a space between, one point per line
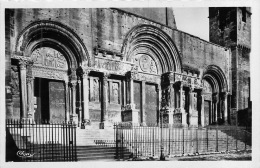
224 107
202 117
171 104
73 116
86 119
67 104
143 103
182 106
30 93
104 118
215 104
80 105
131 103
30 102
22 66
159 95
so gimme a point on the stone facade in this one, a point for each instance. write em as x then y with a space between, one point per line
99 66
231 27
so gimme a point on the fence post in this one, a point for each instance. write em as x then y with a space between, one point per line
236 138
227 142
245 139
116 136
197 143
207 138
183 141
217 139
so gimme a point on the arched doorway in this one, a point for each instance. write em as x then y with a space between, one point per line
49 55
153 53
215 90
50 71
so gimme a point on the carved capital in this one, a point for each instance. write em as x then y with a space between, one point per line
29 79
22 64
215 97
223 95
157 88
83 72
130 75
73 83
105 78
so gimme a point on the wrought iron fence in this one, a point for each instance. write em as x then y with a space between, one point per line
40 141
169 140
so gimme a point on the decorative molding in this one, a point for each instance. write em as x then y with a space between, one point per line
111 66
49 73
57 27
106 51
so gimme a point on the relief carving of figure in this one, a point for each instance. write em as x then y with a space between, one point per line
115 93
96 89
195 101
153 67
183 99
14 81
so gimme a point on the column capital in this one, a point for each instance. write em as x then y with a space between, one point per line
73 83
215 97
29 79
22 64
83 72
105 76
223 95
158 88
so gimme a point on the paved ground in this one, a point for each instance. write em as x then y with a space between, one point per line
241 155
231 155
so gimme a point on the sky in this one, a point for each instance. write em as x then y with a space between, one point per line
193 21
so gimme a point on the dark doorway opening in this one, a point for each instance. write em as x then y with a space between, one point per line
49 100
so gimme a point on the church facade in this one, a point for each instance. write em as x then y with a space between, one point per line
98 66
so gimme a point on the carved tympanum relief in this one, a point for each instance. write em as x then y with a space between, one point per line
145 63
49 58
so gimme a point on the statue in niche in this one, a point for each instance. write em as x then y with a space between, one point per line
14 81
195 101
115 93
183 99
96 90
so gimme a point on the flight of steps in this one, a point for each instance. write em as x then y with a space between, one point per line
96 144
149 143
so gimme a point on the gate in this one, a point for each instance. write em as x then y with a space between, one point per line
40 141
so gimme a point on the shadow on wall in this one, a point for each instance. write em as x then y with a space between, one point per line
11 148
244 118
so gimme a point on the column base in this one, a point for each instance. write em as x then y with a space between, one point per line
74 118
105 125
130 116
28 120
85 124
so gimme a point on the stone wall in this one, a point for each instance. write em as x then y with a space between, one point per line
106 29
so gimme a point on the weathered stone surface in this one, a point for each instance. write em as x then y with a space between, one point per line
120 49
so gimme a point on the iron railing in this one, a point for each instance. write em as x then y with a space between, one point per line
169 140
40 141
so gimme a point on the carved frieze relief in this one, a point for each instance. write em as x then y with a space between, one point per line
116 67
49 73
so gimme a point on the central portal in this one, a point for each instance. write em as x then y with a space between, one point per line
49 100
